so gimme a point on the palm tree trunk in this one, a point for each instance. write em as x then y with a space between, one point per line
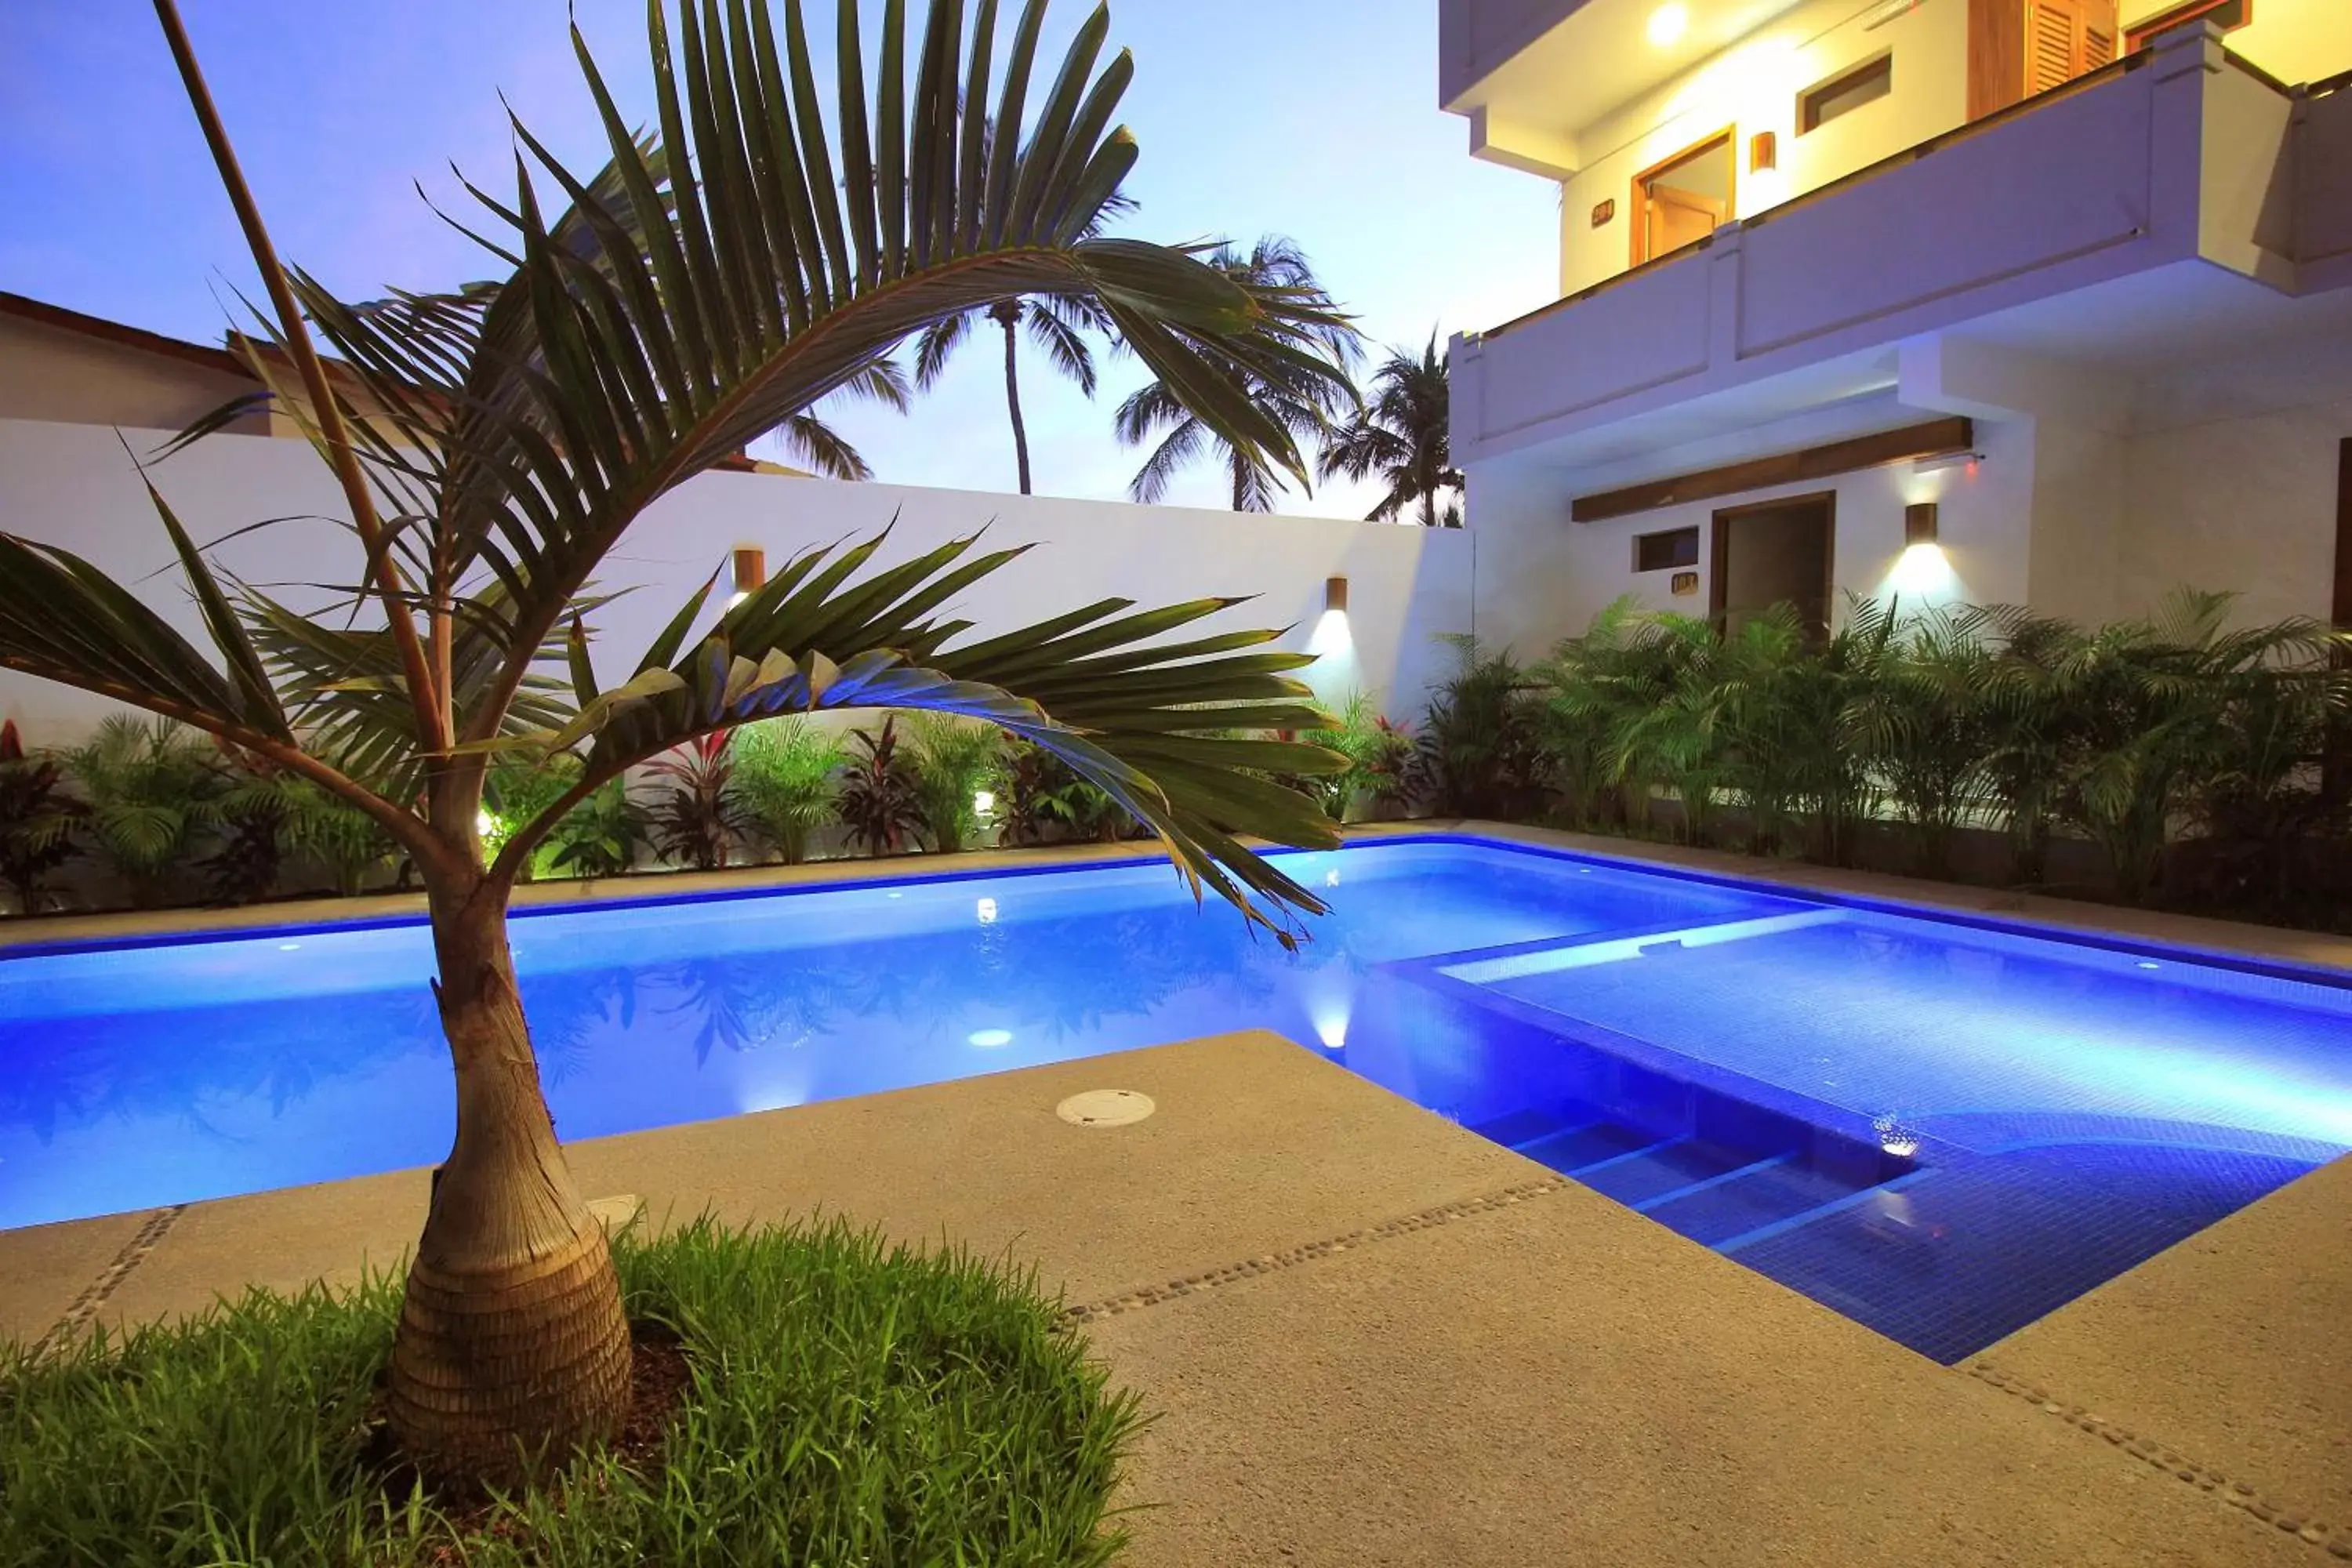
511 1345
1006 313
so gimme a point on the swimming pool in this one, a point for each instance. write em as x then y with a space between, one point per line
1940 1128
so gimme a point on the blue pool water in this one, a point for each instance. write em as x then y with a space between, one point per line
1941 1129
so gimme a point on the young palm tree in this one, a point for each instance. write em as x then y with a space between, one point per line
1299 389
1400 435
696 293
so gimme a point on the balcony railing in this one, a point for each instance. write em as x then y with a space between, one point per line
2178 151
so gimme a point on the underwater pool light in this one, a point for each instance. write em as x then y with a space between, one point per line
989 1039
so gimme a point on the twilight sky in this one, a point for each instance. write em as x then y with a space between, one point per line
1315 119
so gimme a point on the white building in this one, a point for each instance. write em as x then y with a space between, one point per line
2059 290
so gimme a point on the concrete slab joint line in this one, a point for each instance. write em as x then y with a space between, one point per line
2237 1494
110 1279
1267 1263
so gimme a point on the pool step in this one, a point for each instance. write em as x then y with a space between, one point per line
1768 1195
1574 1149
1713 1192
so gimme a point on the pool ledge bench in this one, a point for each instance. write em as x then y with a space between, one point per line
1374 1338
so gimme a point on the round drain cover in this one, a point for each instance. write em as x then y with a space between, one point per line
1105 1108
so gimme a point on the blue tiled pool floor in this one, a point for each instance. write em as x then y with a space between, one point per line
1942 1136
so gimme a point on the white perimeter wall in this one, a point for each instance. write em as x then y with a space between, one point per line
71 485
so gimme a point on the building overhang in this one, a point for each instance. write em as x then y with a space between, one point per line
1529 75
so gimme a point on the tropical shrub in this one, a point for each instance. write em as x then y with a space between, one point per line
599 837
955 761
2169 739
516 790
271 818
1479 753
1377 755
1926 726
152 792
698 819
881 798
37 819
785 777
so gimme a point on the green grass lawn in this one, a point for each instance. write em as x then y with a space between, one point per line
850 1403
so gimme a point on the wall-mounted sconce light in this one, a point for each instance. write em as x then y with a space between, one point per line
750 570
1763 151
1331 636
1922 569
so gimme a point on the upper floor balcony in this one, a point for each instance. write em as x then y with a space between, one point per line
2178 199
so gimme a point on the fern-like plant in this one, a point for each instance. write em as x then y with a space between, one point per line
955 759
271 816
153 791
786 775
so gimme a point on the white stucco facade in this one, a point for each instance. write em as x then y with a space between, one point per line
2138 287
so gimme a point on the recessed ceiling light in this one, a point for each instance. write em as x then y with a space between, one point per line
1668 22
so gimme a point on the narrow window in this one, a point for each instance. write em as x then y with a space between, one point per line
1664 551
1871 80
2227 15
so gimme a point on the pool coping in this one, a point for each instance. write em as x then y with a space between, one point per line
2285 951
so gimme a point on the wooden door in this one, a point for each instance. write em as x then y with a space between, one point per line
1684 198
1678 218
1775 553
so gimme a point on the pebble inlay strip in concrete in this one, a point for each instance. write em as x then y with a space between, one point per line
110 1279
2237 1494
1267 1263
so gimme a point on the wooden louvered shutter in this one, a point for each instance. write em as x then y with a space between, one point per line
2099 28
2053 43
2020 47
2065 39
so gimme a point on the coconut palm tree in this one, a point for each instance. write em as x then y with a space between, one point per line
1400 435
1057 324
1299 390
693 293
808 438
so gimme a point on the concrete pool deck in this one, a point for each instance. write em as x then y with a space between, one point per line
1376 1338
